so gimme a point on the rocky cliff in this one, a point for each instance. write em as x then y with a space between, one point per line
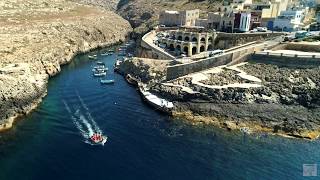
256 96
143 14
40 35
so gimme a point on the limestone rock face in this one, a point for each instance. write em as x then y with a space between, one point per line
40 35
107 4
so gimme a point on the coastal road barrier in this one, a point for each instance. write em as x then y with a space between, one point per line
268 53
287 60
148 45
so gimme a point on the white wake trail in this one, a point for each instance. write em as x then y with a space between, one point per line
83 119
75 121
88 114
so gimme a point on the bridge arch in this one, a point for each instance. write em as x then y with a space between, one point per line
171 47
186 49
178 48
202 48
194 50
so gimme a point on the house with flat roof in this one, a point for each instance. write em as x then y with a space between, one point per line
290 20
179 18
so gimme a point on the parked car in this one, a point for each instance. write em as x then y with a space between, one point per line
163 46
289 37
215 52
301 34
253 30
182 56
262 29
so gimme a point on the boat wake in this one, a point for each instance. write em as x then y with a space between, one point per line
82 119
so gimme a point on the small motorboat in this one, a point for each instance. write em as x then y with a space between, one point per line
99 74
92 57
107 81
105 54
98 138
99 69
100 63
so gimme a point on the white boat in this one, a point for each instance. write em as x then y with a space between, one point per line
99 69
99 74
107 81
92 57
98 138
155 101
107 54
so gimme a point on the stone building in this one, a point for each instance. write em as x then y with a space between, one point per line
188 42
179 18
276 6
218 21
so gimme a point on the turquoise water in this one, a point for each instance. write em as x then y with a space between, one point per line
143 144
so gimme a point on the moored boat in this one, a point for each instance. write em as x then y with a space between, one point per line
92 56
106 54
107 81
132 80
155 101
116 66
99 69
99 74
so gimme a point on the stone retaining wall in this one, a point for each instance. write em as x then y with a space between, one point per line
228 40
227 58
150 50
295 61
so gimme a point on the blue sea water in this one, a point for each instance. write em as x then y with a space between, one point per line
143 144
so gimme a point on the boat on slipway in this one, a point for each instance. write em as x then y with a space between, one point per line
155 101
132 80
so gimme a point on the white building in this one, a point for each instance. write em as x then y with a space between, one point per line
289 20
245 22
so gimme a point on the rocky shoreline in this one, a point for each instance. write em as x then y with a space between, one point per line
261 98
37 38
